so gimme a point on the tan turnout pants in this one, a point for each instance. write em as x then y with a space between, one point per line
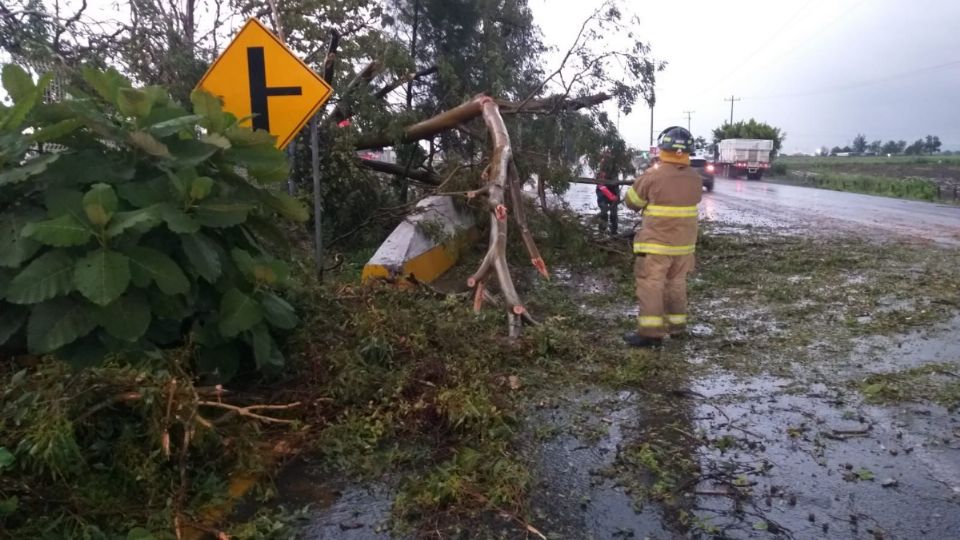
662 293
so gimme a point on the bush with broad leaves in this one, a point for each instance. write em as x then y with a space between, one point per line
129 224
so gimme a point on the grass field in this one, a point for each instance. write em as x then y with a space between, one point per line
909 177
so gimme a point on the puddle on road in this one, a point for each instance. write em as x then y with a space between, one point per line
878 354
574 496
337 510
817 463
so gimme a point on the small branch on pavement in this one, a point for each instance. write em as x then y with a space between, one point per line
248 411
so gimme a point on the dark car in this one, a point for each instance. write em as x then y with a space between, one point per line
705 168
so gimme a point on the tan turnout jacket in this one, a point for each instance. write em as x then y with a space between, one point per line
668 197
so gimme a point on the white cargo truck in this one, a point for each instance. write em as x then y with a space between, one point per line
744 156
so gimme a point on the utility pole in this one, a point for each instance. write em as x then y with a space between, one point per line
689 114
731 99
651 124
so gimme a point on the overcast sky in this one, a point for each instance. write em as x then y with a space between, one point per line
821 70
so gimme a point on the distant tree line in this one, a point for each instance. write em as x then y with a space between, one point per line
929 145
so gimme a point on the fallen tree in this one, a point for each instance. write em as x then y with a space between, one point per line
502 192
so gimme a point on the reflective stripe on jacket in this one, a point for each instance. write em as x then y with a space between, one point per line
668 197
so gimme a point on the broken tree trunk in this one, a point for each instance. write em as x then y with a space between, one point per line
419 175
498 176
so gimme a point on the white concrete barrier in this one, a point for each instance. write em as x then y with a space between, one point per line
426 244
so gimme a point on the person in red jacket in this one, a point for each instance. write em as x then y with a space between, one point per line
608 192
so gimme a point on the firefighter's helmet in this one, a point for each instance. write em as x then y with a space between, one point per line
675 139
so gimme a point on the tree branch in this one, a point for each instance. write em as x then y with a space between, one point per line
472 109
420 175
248 411
381 93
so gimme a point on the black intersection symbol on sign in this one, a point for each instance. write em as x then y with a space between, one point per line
260 92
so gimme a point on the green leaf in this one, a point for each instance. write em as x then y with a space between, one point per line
174 125
139 533
28 170
99 204
102 276
143 219
48 276
201 188
865 474
106 83
238 312
243 260
12 318
17 82
14 247
278 312
202 253
27 97
244 137
221 362
63 202
219 213
287 206
134 103
57 131
208 106
265 163
262 345
6 458
143 194
87 167
149 144
190 152
59 232
168 306
158 95
176 219
9 505
151 265
217 140
126 318
56 323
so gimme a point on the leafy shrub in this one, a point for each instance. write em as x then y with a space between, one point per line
779 168
143 227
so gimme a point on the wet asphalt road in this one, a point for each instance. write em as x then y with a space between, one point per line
745 202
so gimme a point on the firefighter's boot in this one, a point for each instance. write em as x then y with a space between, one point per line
634 339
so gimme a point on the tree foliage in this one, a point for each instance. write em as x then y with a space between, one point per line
138 232
859 144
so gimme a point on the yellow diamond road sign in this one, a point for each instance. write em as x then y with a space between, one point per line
258 76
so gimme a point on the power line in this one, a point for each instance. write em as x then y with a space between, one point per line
769 40
869 82
820 30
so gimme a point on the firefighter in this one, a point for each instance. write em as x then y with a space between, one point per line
608 194
664 245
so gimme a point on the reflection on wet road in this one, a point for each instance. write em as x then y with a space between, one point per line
744 202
